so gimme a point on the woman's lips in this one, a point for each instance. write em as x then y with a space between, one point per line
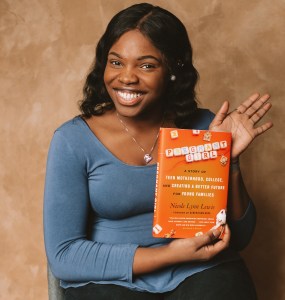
129 97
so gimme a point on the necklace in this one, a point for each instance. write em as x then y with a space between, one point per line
147 156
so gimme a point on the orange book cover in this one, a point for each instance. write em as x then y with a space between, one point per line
191 182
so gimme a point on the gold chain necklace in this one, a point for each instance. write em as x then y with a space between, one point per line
147 156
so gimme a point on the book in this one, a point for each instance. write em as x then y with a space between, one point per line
191 182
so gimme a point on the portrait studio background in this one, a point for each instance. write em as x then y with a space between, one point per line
46 50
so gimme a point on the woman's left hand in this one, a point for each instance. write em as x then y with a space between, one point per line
241 122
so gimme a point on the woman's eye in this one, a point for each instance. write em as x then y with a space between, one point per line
115 63
148 66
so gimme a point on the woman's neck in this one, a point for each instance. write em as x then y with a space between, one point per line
144 121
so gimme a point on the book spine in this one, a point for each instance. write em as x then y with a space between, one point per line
156 226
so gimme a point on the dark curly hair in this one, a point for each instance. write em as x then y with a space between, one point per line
168 34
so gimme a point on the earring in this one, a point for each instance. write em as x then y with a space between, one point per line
172 77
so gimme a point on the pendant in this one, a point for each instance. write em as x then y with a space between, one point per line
147 158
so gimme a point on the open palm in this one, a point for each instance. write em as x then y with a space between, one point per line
242 122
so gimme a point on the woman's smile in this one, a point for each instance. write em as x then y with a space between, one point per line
126 97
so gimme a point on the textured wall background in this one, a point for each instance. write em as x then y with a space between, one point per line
46 50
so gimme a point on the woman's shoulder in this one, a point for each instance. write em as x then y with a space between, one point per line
70 125
72 132
71 139
71 128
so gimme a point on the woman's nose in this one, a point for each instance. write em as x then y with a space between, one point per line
128 76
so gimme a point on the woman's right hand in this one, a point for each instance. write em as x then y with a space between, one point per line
200 248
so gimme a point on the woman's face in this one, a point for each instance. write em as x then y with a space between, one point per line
136 75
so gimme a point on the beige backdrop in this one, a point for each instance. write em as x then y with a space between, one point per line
46 49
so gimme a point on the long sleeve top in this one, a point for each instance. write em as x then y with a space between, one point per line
98 210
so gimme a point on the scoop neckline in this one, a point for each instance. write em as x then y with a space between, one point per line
115 158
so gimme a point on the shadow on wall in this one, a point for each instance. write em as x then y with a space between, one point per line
265 254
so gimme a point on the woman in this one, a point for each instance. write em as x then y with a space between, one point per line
101 169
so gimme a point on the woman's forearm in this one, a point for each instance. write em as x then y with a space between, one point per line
148 260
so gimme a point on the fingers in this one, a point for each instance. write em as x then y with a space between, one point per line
209 237
255 107
222 240
260 112
202 241
253 104
226 235
221 115
261 129
242 108
213 235
211 243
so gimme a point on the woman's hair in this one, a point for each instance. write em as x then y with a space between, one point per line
167 33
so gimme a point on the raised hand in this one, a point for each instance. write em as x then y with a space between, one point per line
242 121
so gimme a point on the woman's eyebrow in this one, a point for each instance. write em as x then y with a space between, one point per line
115 54
139 58
149 57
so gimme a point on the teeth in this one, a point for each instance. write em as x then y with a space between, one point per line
128 95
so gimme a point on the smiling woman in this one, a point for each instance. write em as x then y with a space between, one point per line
101 171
